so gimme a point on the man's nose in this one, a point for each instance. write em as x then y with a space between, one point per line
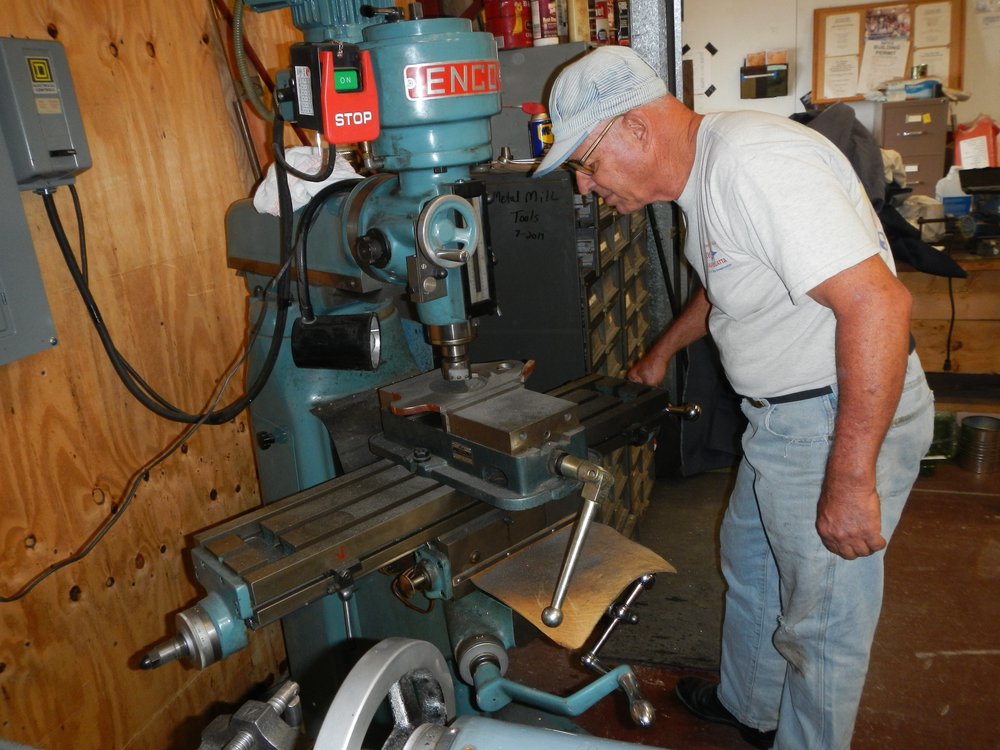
584 183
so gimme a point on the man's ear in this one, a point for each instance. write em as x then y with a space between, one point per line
637 125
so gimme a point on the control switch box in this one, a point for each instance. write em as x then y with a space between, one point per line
40 117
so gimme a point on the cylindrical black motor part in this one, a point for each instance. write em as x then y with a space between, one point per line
337 342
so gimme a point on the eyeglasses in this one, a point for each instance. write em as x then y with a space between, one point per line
580 165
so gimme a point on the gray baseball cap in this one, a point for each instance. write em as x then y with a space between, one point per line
602 84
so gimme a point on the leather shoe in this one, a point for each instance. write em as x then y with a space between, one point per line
700 697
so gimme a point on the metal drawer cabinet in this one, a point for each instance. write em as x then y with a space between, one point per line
918 130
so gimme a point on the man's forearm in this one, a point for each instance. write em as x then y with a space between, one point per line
872 348
873 318
868 393
689 326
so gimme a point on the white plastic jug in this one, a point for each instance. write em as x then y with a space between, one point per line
949 191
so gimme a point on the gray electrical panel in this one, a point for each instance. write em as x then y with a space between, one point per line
42 146
39 114
25 321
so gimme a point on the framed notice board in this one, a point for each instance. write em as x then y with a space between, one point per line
857 47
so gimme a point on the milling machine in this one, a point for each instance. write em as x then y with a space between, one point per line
377 502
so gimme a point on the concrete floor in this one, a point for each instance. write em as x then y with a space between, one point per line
934 680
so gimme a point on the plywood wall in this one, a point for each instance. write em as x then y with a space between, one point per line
167 163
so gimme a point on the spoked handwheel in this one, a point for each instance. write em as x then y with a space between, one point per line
414 677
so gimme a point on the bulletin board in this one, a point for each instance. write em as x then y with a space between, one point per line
856 47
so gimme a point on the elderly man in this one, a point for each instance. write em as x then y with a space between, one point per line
799 293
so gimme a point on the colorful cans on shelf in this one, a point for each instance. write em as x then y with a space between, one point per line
509 21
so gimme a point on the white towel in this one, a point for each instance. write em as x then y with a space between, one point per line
305 159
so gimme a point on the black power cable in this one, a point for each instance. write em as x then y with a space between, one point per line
951 327
675 307
135 384
309 214
325 170
82 241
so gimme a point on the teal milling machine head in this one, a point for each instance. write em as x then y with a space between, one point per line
417 221
417 99
416 96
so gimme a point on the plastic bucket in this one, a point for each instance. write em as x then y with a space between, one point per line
979 444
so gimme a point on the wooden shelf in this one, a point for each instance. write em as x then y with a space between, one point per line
971 262
967 261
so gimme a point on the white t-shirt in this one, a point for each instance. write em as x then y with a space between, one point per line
773 210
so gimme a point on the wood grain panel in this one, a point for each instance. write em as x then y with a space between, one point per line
976 298
974 346
975 340
157 109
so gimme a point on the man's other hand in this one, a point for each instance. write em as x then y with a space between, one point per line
849 521
649 369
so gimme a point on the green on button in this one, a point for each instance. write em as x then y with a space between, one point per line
345 80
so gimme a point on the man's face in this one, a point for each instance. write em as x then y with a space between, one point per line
602 165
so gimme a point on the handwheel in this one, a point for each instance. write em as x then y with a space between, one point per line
413 675
441 238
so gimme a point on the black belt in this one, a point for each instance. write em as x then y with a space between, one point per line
760 403
826 390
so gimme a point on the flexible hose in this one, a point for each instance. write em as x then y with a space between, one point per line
250 89
249 86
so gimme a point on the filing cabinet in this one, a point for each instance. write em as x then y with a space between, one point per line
918 130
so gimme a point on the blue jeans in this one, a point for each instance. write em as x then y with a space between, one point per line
799 620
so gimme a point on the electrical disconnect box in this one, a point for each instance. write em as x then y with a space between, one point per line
39 116
42 146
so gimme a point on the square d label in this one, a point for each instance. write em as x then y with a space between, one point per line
41 71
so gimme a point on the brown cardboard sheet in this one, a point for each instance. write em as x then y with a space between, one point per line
608 563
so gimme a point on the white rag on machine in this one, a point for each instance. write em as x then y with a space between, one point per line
305 159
